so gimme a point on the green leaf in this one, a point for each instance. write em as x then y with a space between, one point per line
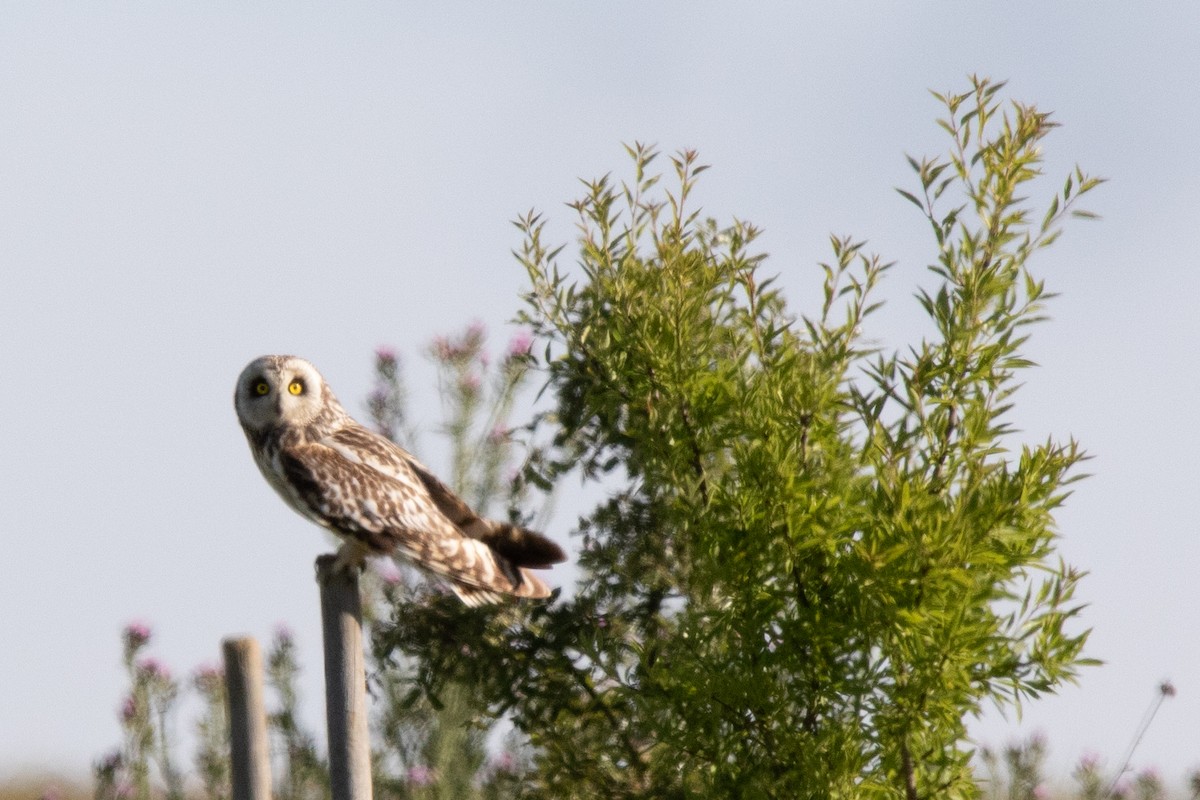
912 198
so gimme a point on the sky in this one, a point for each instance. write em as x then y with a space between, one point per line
184 187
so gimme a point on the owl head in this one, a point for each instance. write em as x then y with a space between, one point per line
281 391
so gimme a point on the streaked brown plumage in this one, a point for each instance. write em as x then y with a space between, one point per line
372 493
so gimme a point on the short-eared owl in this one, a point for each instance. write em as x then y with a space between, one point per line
372 493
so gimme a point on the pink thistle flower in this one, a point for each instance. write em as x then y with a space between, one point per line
388 571
208 672
111 762
283 634
1149 776
385 354
520 344
420 775
136 635
128 714
442 349
476 331
470 383
153 668
209 680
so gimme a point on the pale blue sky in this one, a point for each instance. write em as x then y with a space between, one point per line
187 187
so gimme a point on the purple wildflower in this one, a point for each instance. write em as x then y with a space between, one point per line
385 355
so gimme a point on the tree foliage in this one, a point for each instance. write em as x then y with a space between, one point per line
815 559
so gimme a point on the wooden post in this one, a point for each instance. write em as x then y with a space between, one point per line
250 757
345 683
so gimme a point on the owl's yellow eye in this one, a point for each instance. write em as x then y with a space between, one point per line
261 388
295 387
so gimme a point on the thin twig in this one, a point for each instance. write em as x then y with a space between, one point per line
1165 689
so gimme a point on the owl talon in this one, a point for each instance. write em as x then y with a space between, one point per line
350 556
331 565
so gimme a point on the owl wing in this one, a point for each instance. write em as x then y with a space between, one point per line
523 547
364 487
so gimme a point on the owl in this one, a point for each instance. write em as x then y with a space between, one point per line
372 493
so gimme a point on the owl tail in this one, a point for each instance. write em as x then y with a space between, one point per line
480 574
474 596
521 547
